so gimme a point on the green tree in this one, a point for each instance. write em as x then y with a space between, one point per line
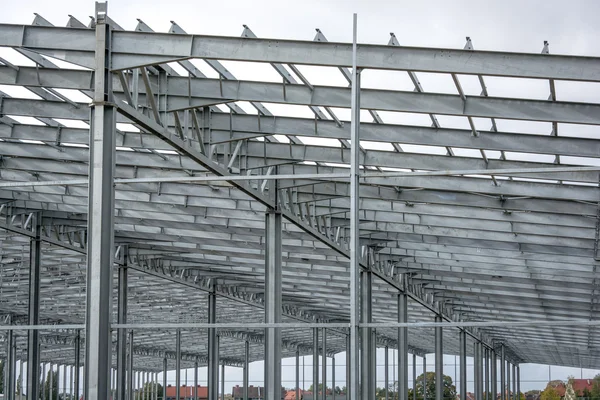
595 392
587 395
550 393
310 389
51 377
146 393
569 391
429 389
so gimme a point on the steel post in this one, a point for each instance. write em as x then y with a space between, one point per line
196 380
494 375
518 379
514 381
33 316
439 361
414 357
476 369
246 366
297 374
424 376
463 364
44 382
100 243
324 364
178 364
130 368
386 372
164 388
273 276
71 383
508 380
51 382
64 374
122 333
487 374
9 369
366 352
332 378
213 361
353 384
315 363
223 382
502 373
77 378
402 348
348 358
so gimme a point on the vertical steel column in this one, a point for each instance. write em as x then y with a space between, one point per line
100 243
353 384
33 316
213 361
439 361
273 302
502 373
324 364
487 375
77 363
9 369
44 382
333 377
424 376
414 357
402 347
64 381
297 374
508 394
71 383
462 334
494 375
178 364
518 379
51 382
223 382
122 333
348 386
164 388
514 382
386 362
315 363
246 370
476 369
21 376
195 380
366 351
130 368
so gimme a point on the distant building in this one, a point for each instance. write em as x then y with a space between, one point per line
254 392
579 386
187 392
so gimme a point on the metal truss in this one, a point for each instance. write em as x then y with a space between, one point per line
207 212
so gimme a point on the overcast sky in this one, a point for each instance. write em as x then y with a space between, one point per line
571 27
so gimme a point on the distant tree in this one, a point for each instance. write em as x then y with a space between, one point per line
550 393
429 389
569 391
587 395
310 389
147 391
52 376
344 390
595 392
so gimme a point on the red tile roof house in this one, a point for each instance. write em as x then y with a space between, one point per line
254 392
186 392
579 385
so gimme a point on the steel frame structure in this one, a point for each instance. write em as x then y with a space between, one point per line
161 225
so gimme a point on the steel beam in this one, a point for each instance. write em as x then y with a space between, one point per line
122 333
508 381
223 381
494 375
368 383
514 381
100 219
315 366
402 347
297 367
213 357
502 373
425 375
273 277
353 376
178 364
164 372
414 377
246 368
439 361
33 316
518 379
463 364
323 364
130 372
487 374
386 371
9 365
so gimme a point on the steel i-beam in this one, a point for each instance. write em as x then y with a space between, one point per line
100 218
273 276
315 369
439 361
122 333
367 348
477 368
213 361
324 364
297 374
403 347
164 388
77 363
502 373
414 377
33 317
463 364
424 376
494 375
246 366
514 382
130 368
353 378
178 364
196 380
486 395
